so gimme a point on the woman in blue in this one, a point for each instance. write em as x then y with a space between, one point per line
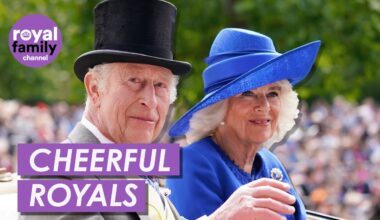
249 104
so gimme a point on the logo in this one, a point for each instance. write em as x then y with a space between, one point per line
35 40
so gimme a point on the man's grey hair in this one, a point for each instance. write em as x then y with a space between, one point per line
102 71
204 122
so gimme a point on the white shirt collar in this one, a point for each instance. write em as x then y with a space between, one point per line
95 131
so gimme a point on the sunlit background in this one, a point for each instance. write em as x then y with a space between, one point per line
334 155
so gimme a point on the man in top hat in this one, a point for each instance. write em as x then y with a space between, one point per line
130 80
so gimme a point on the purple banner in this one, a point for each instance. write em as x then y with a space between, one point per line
98 159
82 195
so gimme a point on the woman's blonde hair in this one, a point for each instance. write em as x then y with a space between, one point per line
204 122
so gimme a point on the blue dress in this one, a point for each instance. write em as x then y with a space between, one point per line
209 177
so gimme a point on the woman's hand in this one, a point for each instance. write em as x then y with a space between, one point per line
260 199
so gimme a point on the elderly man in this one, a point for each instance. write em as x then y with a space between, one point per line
130 80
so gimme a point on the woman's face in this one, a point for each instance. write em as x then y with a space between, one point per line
252 116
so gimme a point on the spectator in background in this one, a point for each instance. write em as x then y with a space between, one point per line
303 143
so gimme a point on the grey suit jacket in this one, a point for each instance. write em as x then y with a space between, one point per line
81 134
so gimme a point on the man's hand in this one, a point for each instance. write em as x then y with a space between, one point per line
260 199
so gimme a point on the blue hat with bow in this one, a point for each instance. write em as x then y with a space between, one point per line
242 60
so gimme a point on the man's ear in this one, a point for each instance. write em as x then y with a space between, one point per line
91 82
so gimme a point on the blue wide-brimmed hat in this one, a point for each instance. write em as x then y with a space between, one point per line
242 60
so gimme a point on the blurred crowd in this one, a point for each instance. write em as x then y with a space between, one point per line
41 123
333 156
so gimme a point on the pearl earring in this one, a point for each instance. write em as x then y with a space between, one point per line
222 123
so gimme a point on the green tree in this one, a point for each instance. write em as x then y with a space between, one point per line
349 31
347 64
55 81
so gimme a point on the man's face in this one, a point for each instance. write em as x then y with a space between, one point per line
134 102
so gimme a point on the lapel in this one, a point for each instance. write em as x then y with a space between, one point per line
176 215
80 134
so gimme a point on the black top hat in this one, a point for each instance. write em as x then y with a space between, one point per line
136 31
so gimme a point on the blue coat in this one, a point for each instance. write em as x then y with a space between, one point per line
209 177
